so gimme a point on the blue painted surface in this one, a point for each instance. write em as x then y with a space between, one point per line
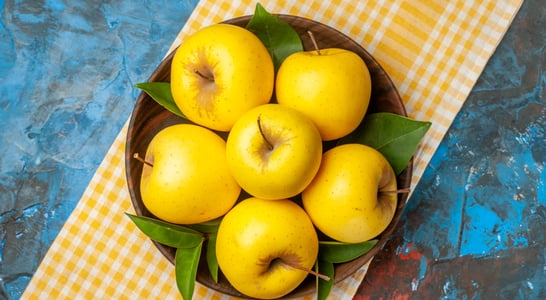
66 74
474 228
475 225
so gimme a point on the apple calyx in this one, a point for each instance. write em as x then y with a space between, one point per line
140 159
312 36
399 191
270 146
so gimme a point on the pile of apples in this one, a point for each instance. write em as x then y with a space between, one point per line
270 177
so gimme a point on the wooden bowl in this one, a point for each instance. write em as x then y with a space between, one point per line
148 118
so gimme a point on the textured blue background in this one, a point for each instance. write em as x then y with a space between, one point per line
474 228
475 225
66 74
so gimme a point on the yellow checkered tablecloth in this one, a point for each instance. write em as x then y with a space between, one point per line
434 51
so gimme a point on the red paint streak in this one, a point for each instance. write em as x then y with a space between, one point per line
412 254
391 274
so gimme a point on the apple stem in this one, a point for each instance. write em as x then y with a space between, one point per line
269 145
312 36
140 159
209 78
399 191
296 266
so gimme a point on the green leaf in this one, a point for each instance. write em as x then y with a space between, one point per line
212 261
185 267
395 136
207 227
337 252
279 37
176 236
161 93
324 287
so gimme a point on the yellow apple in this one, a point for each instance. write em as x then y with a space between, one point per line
353 197
262 244
332 88
220 72
189 181
273 151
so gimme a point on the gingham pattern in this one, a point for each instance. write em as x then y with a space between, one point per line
434 51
